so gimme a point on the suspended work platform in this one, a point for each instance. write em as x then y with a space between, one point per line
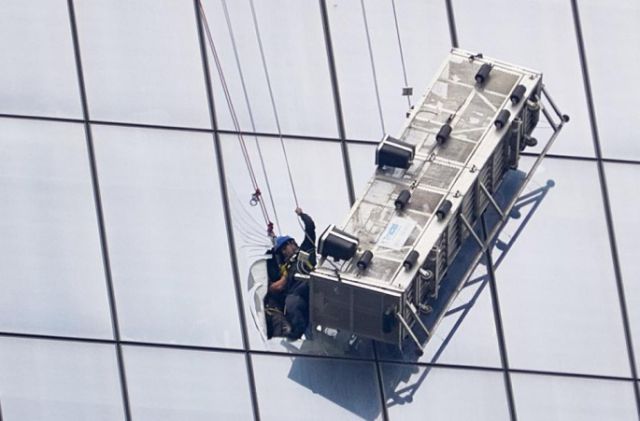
381 270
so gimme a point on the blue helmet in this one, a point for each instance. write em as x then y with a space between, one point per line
280 242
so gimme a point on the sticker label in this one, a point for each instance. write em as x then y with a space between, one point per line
396 233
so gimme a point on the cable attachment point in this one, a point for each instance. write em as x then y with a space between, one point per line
255 198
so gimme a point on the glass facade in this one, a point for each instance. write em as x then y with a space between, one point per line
127 232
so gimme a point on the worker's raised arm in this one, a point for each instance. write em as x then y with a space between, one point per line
309 243
309 225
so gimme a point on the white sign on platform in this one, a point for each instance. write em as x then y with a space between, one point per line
396 233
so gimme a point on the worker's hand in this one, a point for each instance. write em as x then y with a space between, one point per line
278 285
299 211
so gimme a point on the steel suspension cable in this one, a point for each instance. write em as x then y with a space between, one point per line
246 98
257 194
273 102
373 65
404 68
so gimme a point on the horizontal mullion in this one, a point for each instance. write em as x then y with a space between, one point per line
276 135
289 355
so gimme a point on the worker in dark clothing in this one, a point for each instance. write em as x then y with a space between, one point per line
287 291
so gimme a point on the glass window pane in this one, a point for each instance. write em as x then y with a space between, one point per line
320 185
613 72
296 60
169 384
335 389
424 32
167 237
353 66
142 63
425 19
562 253
56 380
467 332
362 158
51 269
38 73
247 48
542 43
554 398
419 393
622 180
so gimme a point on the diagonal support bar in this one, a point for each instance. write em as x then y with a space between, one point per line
549 119
561 116
470 228
413 311
404 324
491 199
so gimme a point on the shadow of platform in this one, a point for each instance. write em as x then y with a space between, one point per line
522 212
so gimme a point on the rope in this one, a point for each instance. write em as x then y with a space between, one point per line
273 103
246 98
404 69
257 194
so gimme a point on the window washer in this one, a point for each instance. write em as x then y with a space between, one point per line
288 295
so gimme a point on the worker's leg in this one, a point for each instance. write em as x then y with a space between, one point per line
297 313
277 324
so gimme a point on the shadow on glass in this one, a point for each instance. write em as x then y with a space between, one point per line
399 378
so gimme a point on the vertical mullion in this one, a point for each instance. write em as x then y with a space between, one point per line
99 210
336 101
347 164
227 211
605 198
499 327
383 399
452 24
